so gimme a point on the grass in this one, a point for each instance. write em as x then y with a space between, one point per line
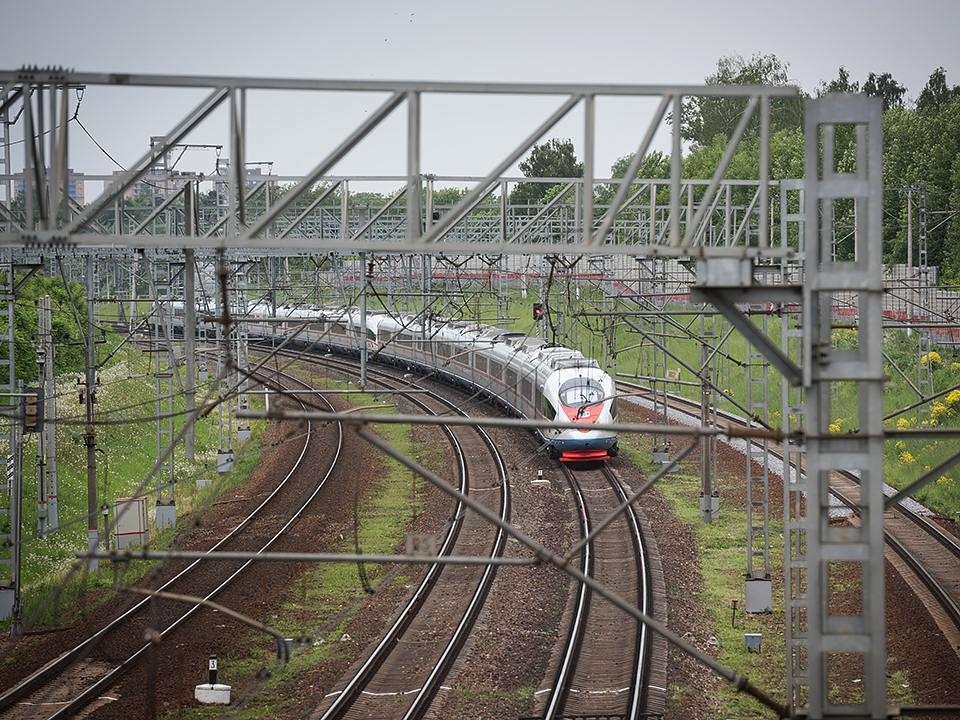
722 560
720 547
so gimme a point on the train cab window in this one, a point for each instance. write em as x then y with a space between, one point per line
496 369
480 362
580 391
547 408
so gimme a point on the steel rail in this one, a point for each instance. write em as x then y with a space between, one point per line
378 656
568 661
70 709
80 651
644 649
429 688
375 660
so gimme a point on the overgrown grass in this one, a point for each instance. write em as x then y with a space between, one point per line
126 451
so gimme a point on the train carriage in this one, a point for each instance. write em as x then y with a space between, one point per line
526 375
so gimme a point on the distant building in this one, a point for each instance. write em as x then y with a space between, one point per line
75 182
253 176
156 182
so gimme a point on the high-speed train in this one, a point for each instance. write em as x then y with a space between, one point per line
526 375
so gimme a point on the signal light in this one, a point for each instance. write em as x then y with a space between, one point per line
538 311
32 410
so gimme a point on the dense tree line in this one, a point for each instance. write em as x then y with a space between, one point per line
921 148
69 309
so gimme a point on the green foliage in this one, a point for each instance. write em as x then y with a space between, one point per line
67 337
886 88
555 158
936 93
656 164
706 117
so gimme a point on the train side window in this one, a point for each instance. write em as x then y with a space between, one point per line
480 362
510 379
496 369
526 389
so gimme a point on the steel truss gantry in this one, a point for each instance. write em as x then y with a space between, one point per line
266 225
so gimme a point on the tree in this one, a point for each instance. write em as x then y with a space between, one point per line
67 337
936 93
842 84
704 118
886 88
555 158
655 165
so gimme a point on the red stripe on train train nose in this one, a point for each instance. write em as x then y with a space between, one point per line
583 455
588 416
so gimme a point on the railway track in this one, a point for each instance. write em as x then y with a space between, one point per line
604 664
929 553
100 661
401 675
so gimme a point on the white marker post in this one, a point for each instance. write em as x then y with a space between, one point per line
211 692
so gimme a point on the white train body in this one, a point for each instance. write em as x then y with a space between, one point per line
528 376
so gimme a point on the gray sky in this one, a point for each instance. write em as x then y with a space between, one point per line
551 41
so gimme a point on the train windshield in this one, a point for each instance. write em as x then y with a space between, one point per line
580 391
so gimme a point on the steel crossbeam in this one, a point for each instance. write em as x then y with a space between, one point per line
691 208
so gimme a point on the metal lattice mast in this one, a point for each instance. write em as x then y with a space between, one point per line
709 496
661 444
5 166
796 600
242 352
924 337
759 590
49 514
855 638
166 511
223 339
9 481
90 398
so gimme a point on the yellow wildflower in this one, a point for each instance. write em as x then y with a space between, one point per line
938 411
906 458
834 427
931 358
